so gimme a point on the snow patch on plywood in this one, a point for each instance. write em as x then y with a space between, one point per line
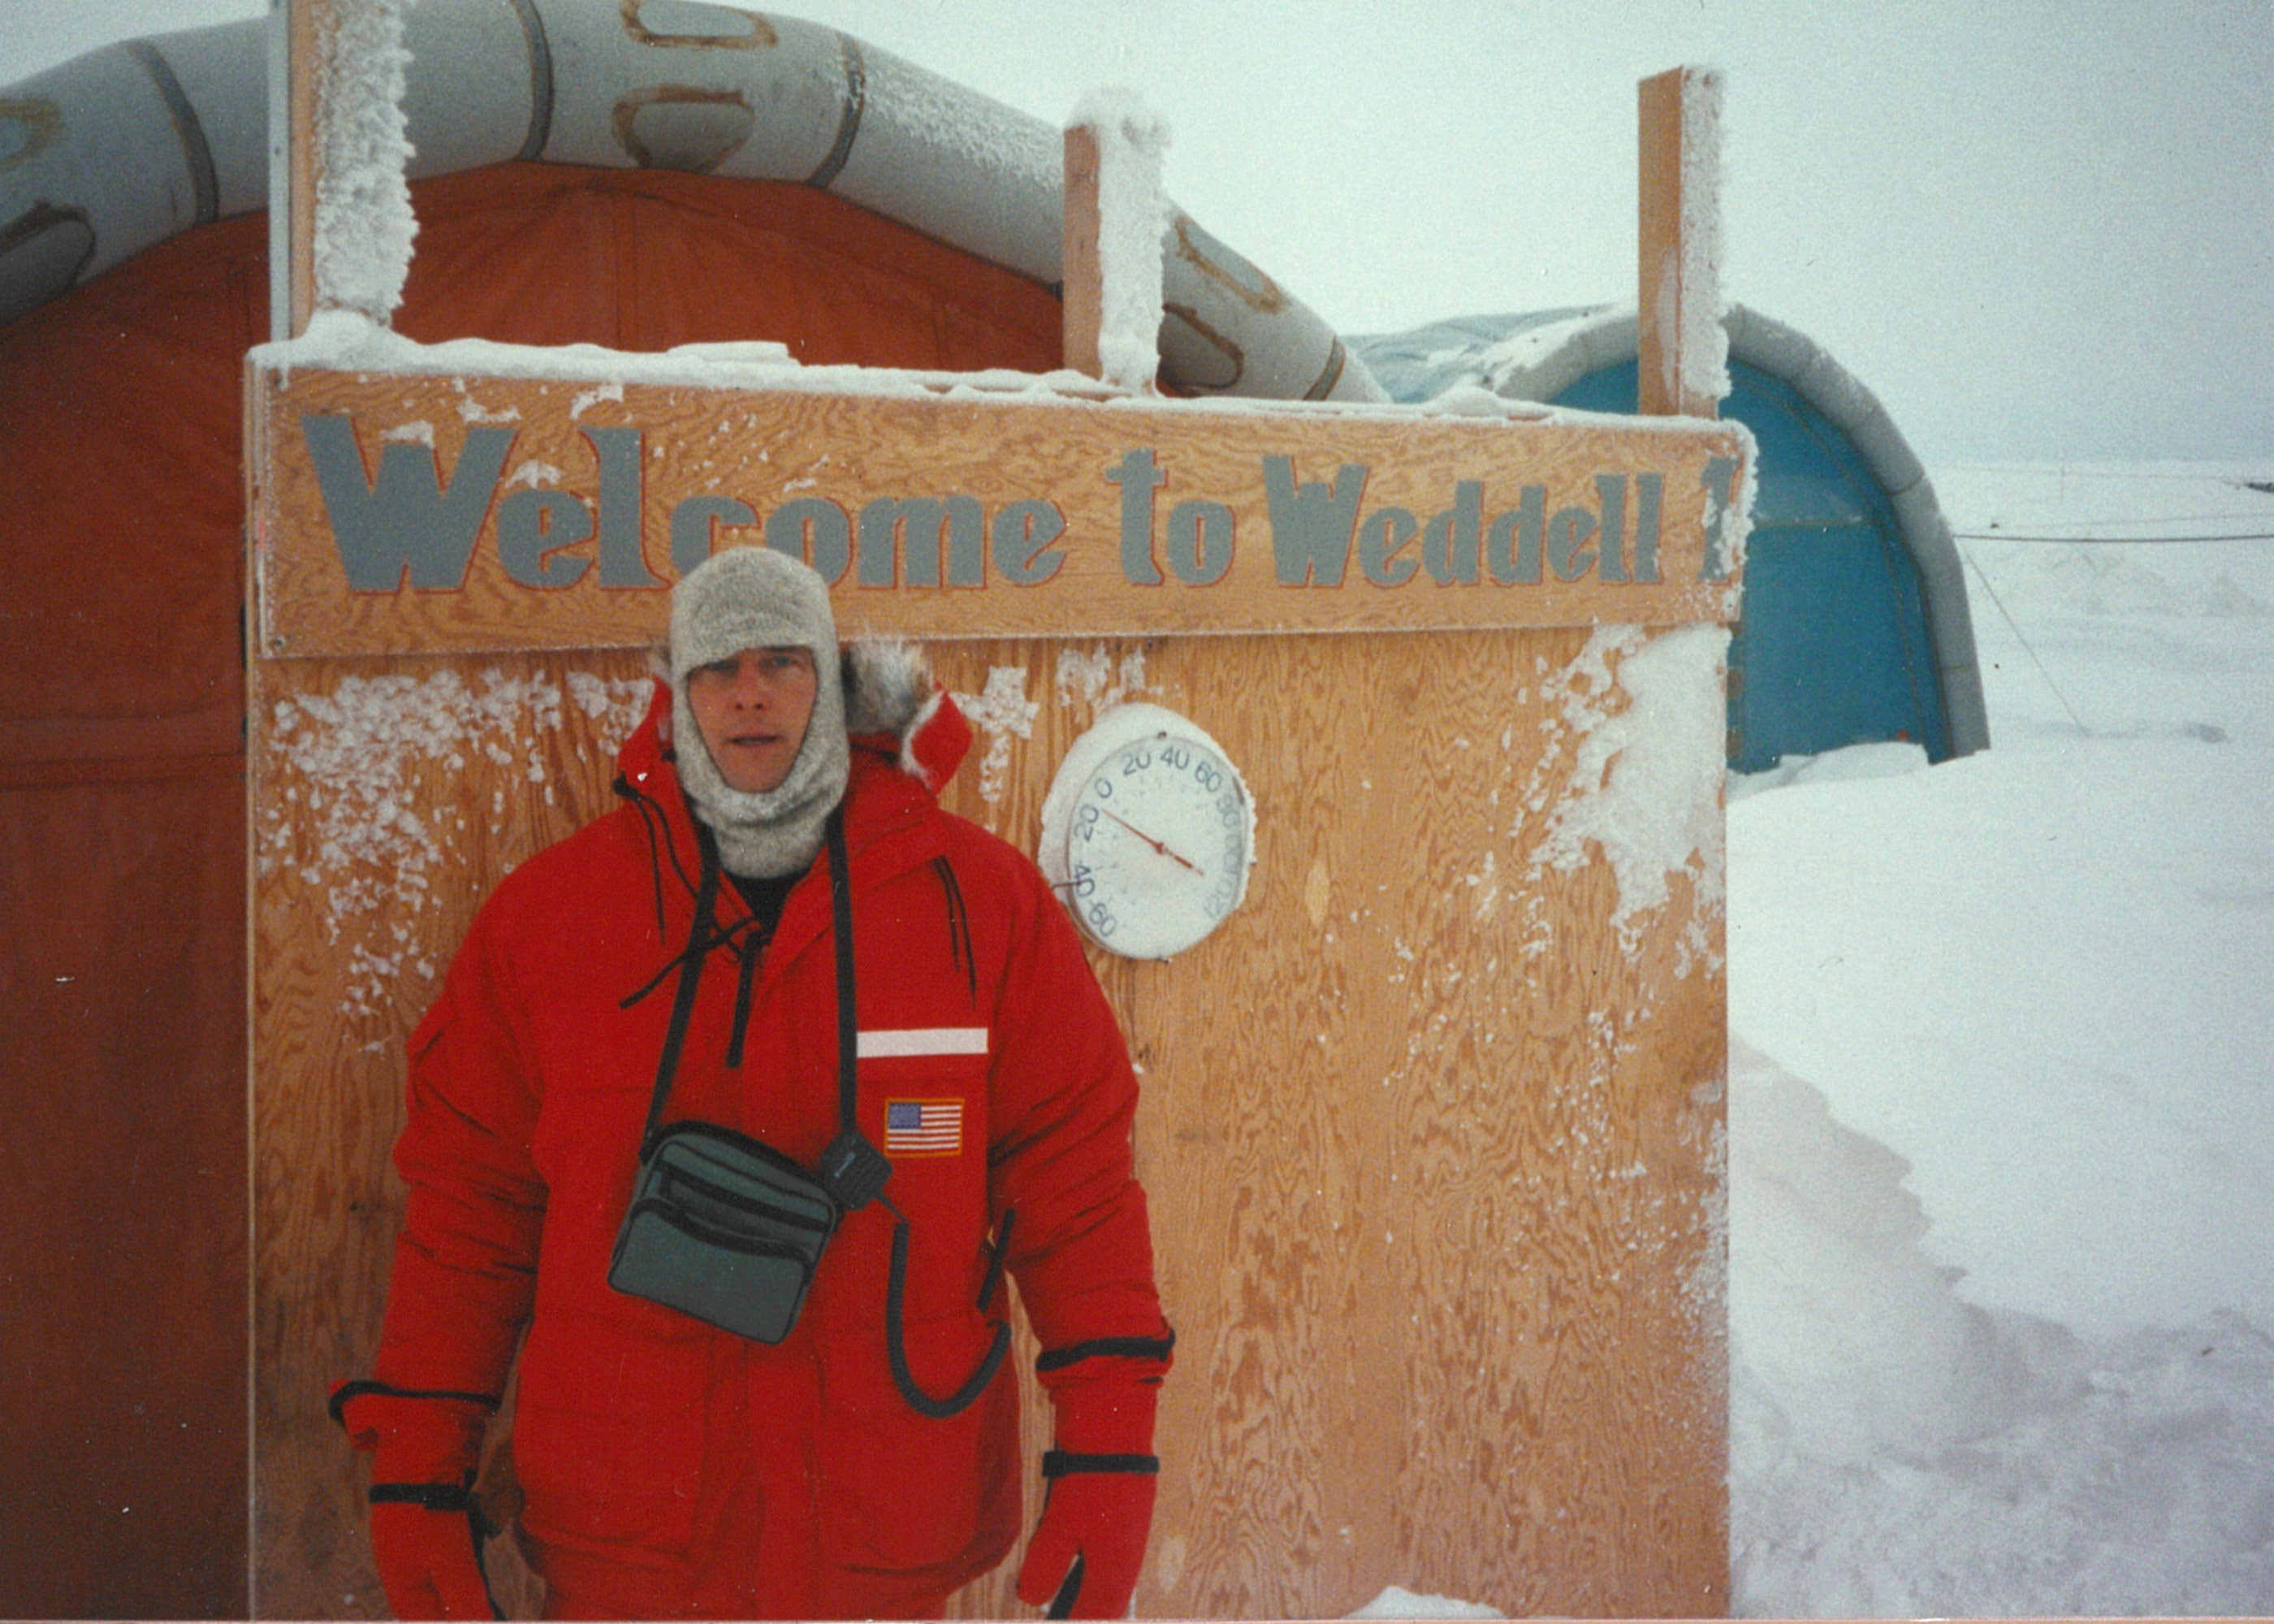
1645 791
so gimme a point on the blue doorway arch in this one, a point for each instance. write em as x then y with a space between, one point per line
1833 647
1855 626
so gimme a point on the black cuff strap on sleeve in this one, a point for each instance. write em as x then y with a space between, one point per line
1122 1347
1060 1462
349 1391
432 1496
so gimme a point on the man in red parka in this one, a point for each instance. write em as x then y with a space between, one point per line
681 956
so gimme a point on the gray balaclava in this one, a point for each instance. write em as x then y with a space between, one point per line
754 598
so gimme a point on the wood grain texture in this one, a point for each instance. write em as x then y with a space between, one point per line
1081 274
1047 482
1432 1150
386 801
313 28
1432 1157
1664 214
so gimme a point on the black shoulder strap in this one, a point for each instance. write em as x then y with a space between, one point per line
848 1022
690 973
853 1170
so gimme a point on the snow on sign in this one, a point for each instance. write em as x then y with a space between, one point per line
400 511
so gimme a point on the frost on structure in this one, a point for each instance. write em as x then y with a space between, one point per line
1705 1285
591 397
1645 788
363 221
1003 712
617 703
1131 216
984 136
1097 681
1705 341
368 835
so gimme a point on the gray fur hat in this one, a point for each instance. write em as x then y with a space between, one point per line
754 598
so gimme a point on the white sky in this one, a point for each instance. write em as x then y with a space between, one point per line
2036 228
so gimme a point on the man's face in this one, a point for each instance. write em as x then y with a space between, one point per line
752 708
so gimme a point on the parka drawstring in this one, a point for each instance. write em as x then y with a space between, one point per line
745 936
958 926
656 824
700 943
751 947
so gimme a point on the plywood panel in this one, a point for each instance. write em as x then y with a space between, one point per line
1431 1155
387 800
1433 1152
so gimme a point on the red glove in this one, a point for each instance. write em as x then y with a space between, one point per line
1097 1509
1084 1557
423 1524
425 1551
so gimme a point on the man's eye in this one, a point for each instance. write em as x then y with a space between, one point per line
719 668
781 665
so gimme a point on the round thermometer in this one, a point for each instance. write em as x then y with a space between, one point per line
1148 832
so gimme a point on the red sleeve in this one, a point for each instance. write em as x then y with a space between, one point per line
1080 1246
465 1263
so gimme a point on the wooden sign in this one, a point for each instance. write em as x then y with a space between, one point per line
397 512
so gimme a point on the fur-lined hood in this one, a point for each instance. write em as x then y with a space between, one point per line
892 702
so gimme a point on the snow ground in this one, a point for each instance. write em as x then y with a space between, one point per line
2002 1094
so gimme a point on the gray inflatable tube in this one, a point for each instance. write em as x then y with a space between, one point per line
126 146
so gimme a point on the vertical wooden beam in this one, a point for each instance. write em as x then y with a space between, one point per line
1110 248
1677 296
1083 285
301 43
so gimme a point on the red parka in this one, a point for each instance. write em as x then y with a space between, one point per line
652 1449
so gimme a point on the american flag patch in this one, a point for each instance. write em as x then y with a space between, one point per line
923 1127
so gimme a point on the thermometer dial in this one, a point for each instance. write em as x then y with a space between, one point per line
1156 833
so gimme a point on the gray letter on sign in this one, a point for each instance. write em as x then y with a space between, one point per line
532 527
951 532
1719 480
1310 529
622 560
405 522
693 522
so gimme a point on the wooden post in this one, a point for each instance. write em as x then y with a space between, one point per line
1678 297
309 27
1083 286
1110 255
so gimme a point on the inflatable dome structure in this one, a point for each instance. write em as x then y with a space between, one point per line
1856 628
